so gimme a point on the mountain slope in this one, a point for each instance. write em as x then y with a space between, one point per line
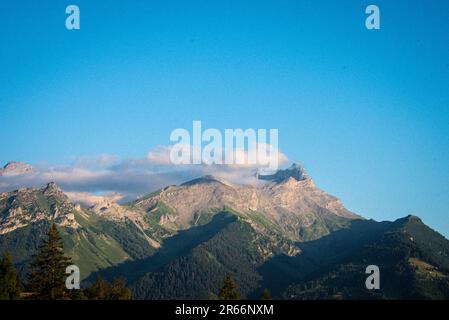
93 241
293 206
413 261
284 234
194 263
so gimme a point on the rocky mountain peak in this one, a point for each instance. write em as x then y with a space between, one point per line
15 168
295 171
51 188
204 179
26 206
410 220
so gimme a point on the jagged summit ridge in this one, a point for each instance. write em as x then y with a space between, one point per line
291 204
25 206
53 188
295 171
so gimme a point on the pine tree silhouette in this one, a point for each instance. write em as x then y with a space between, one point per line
102 290
229 290
10 285
265 295
47 271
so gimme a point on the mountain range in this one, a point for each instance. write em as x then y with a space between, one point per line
283 234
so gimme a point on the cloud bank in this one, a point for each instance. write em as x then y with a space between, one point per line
90 180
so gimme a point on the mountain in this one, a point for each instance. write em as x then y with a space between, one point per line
94 241
15 168
413 261
295 171
292 206
180 242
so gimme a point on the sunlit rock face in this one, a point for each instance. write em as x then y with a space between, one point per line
289 200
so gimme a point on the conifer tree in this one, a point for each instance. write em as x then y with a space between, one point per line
99 290
265 295
119 291
229 290
47 271
102 290
10 285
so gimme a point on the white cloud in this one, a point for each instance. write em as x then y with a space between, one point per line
88 199
160 156
128 178
95 161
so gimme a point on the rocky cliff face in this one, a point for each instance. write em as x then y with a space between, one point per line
289 201
26 206
95 238
295 171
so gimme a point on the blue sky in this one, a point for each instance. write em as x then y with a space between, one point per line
366 112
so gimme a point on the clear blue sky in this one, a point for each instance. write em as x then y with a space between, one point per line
366 112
